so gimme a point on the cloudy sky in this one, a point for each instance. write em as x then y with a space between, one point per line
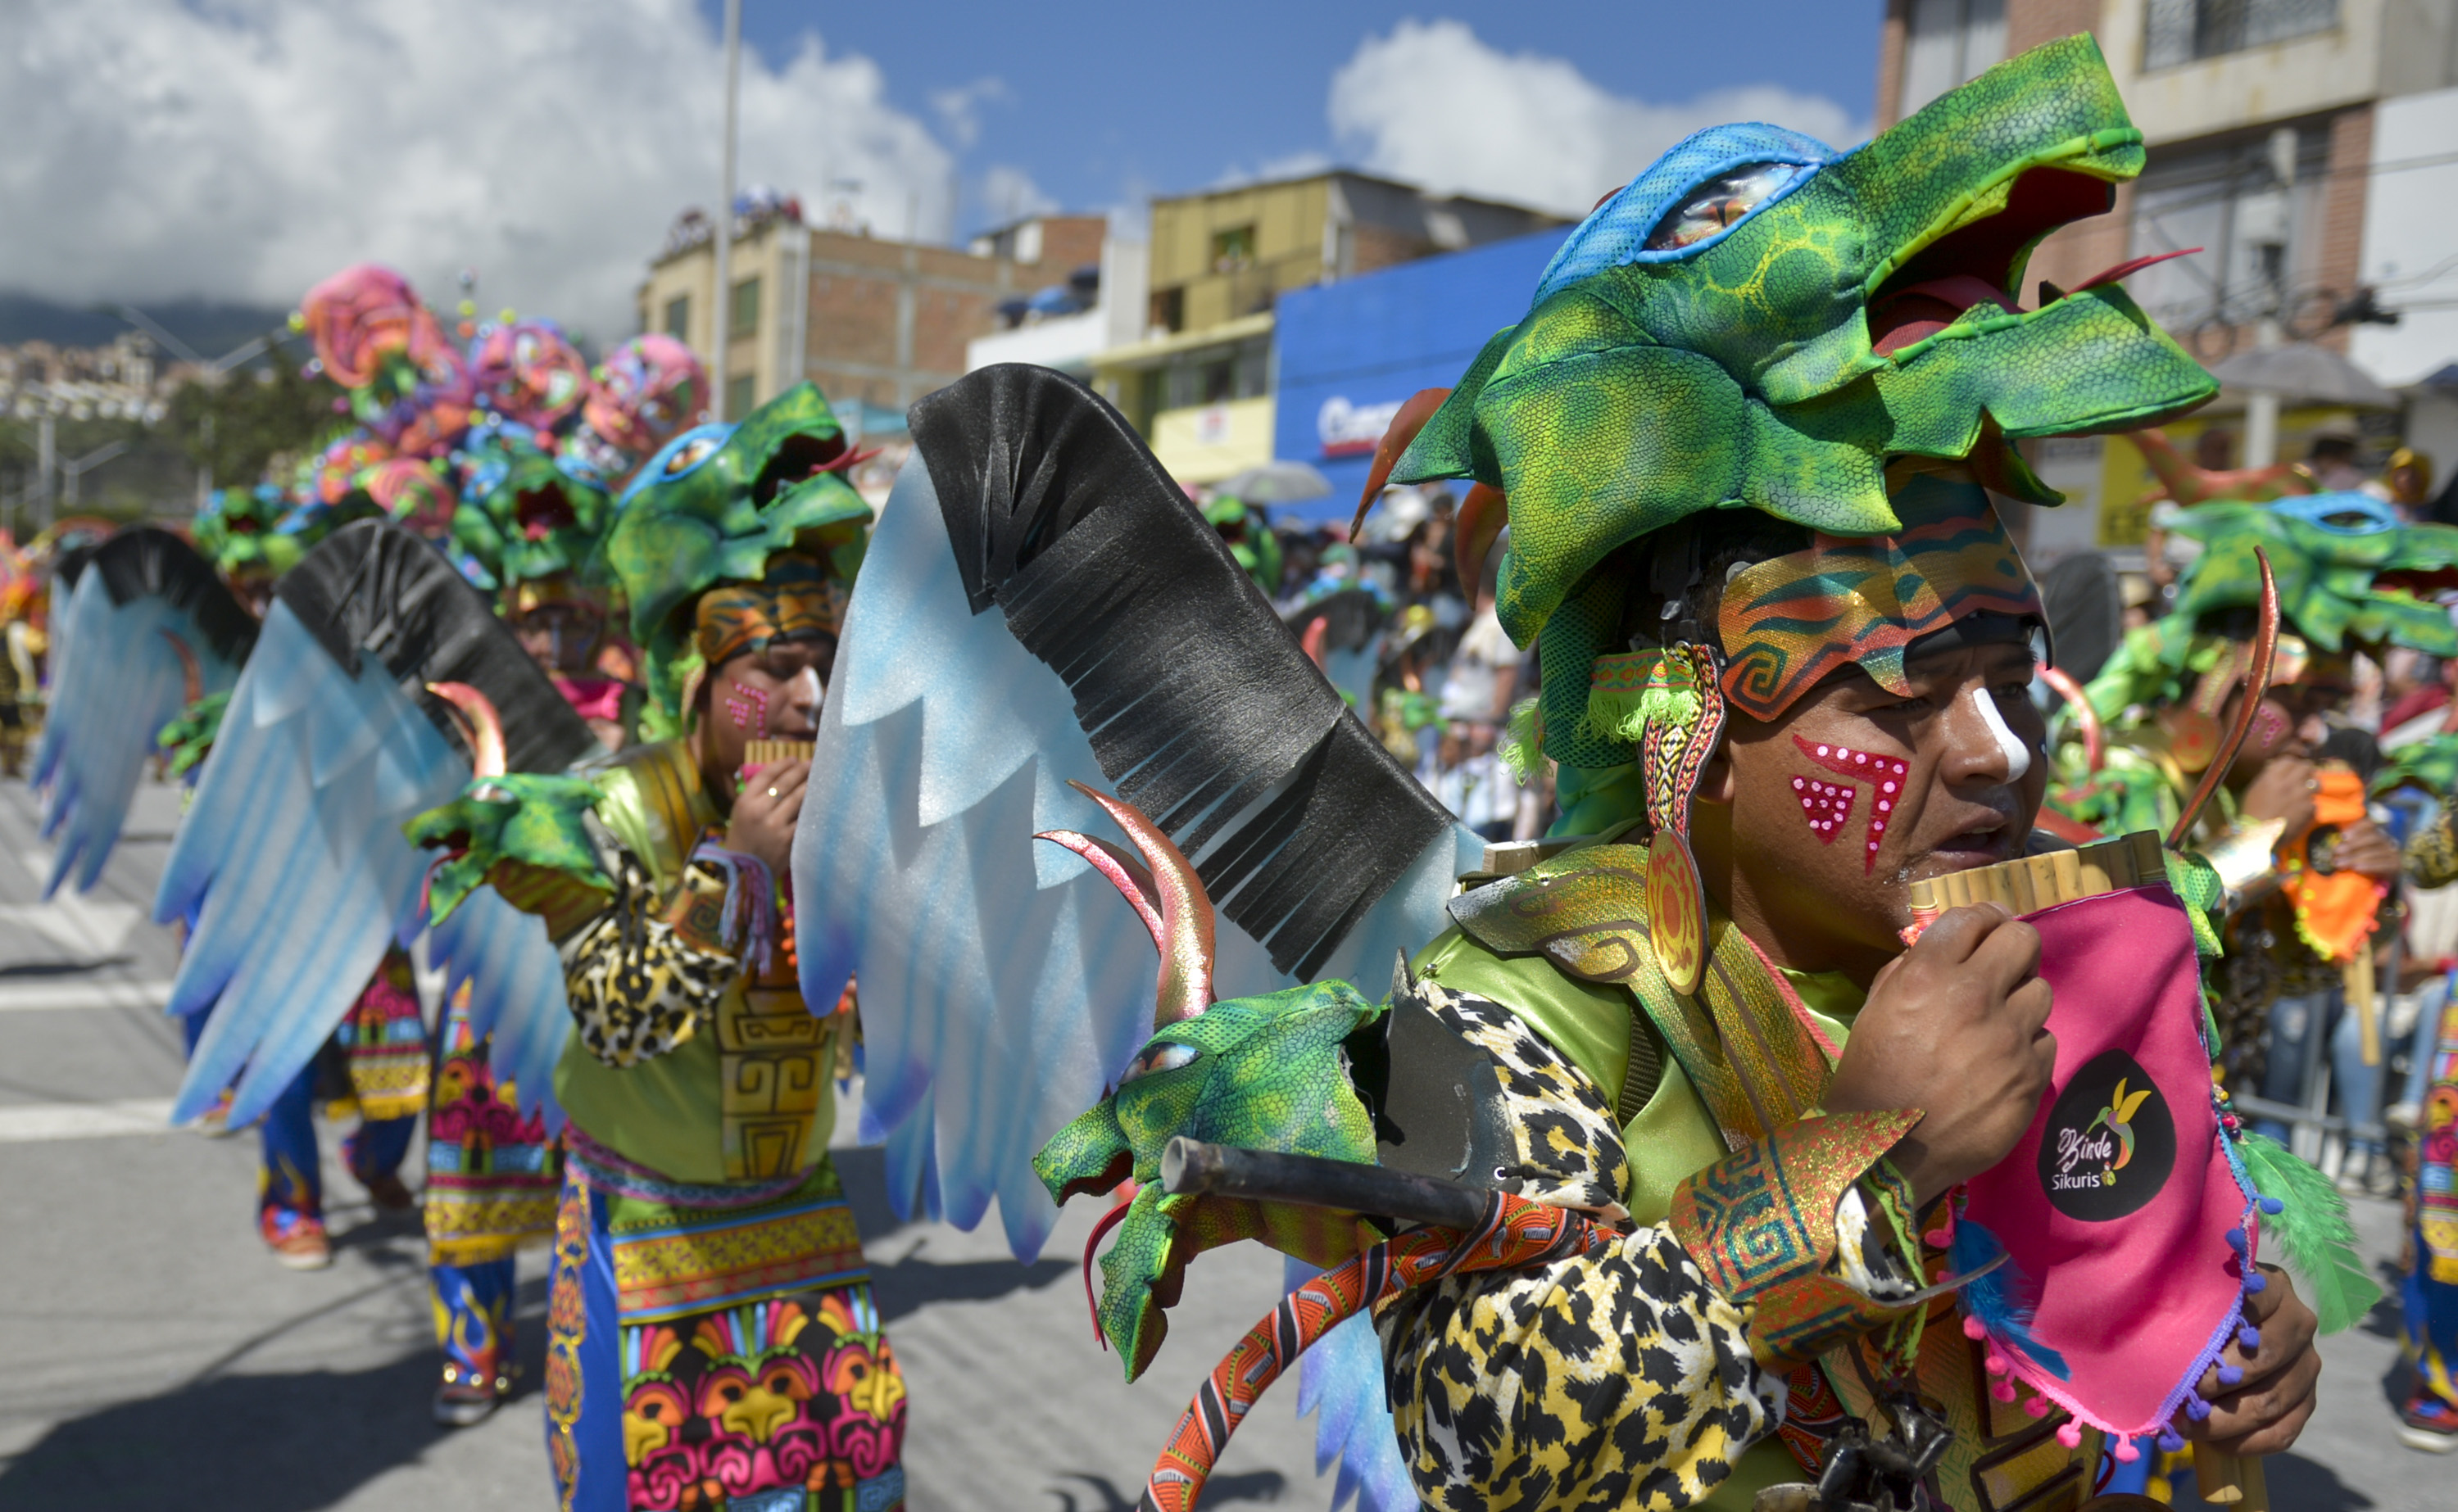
242 149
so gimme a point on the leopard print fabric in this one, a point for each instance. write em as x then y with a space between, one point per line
2432 856
1615 1379
639 989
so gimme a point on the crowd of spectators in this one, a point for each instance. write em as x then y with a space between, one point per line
1418 653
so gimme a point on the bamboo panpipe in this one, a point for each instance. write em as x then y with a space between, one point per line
2030 884
760 753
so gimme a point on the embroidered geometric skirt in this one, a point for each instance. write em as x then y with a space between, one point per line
384 1035
2430 1299
491 1177
718 1359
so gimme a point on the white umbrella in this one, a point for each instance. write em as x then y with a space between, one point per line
1275 483
2301 372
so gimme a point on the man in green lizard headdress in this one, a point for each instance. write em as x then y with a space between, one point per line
711 1316
1748 438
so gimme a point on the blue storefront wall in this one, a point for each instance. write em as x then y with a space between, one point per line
1349 353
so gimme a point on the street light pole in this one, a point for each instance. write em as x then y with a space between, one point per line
721 314
46 458
73 471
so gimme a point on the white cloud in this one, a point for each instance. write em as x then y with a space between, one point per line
1432 104
243 148
1010 195
960 109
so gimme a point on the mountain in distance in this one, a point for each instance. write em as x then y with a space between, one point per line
209 326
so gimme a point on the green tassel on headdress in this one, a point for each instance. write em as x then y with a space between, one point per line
2312 1231
1633 690
1522 741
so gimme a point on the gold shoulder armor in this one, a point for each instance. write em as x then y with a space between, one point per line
655 805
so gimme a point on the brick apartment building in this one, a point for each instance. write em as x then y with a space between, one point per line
871 321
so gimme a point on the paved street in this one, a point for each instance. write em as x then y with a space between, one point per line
156 1356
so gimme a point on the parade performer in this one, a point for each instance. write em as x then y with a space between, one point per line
2308 870
523 527
25 598
712 1330
157 635
2429 1298
1706 1111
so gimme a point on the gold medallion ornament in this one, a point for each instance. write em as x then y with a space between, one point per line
1676 911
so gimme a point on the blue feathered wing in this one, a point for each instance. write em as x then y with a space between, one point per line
292 864
1003 985
117 678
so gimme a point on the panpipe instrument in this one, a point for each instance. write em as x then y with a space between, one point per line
2030 884
764 752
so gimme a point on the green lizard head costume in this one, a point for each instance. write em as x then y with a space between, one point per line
715 506
522 519
2351 574
1265 1072
238 531
1837 342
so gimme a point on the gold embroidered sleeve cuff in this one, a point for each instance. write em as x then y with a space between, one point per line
1763 1224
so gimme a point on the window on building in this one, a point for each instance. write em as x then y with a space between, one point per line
1169 309
679 318
2182 30
1233 249
2254 208
747 308
738 396
1254 368
1946 43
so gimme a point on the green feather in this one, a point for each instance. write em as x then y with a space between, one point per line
2313 1230
1522 740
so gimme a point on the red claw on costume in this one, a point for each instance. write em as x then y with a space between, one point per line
1166 895
2086 718
1403 429
1482 516
481 728
1317 633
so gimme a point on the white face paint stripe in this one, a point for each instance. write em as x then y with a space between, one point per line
2018 756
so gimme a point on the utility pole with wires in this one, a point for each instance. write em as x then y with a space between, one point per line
73 471
215 370
721 314
46 459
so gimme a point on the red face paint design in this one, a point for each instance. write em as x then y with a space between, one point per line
1827 806
2270 728
1885 773
748 708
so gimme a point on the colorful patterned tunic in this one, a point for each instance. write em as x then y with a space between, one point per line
713 1343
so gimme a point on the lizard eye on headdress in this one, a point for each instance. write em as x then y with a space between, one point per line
2341 513
688 456
1722 202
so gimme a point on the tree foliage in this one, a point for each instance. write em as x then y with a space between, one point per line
248 420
